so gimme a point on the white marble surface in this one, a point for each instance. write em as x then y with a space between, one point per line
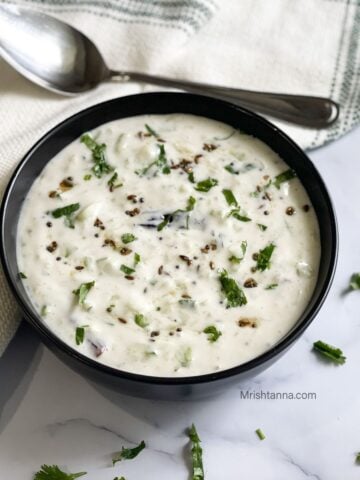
49 414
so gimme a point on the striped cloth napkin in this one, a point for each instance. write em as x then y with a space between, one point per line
309 47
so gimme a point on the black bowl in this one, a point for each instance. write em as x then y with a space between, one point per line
162 103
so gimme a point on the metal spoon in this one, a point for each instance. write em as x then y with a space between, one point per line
62 59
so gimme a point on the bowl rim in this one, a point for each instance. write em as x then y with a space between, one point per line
51 338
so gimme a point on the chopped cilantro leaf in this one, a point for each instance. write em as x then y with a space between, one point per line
137 259
234 294
271 286
234 258
101 167
262 227
161 163
196 455
168 217
230 198
66 212
330 352
22 275
206 185
111 182
87 177
128 238
151 131
264 256
128 453
355 281
260 434
83 291
53 472
212 333
283 177
79 335
127 270
141 320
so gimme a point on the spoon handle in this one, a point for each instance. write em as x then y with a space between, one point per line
312 112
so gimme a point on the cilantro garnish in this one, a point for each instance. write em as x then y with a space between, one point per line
101 166
53 472
128 238
283 177
234 258
212 333
332 353
206 185
260 434
128 453
232 202
355 281
196 455
67 212
169 216
271 286
79 335
230 198
112 181
262 227
161 163
151 131
264 256
127 270
22 275
141 320
83 291
234 294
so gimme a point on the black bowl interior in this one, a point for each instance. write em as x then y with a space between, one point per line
162 103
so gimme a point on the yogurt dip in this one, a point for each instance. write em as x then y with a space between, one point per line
168 245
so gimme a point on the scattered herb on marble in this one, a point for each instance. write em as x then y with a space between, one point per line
264 256
141 320
83 291
206 185
67 212
53 472
234 294
161 163
283 177
101 167
355 281
212 333
169 216
128 453
260 434
128 238
329 351
112 182
196 454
